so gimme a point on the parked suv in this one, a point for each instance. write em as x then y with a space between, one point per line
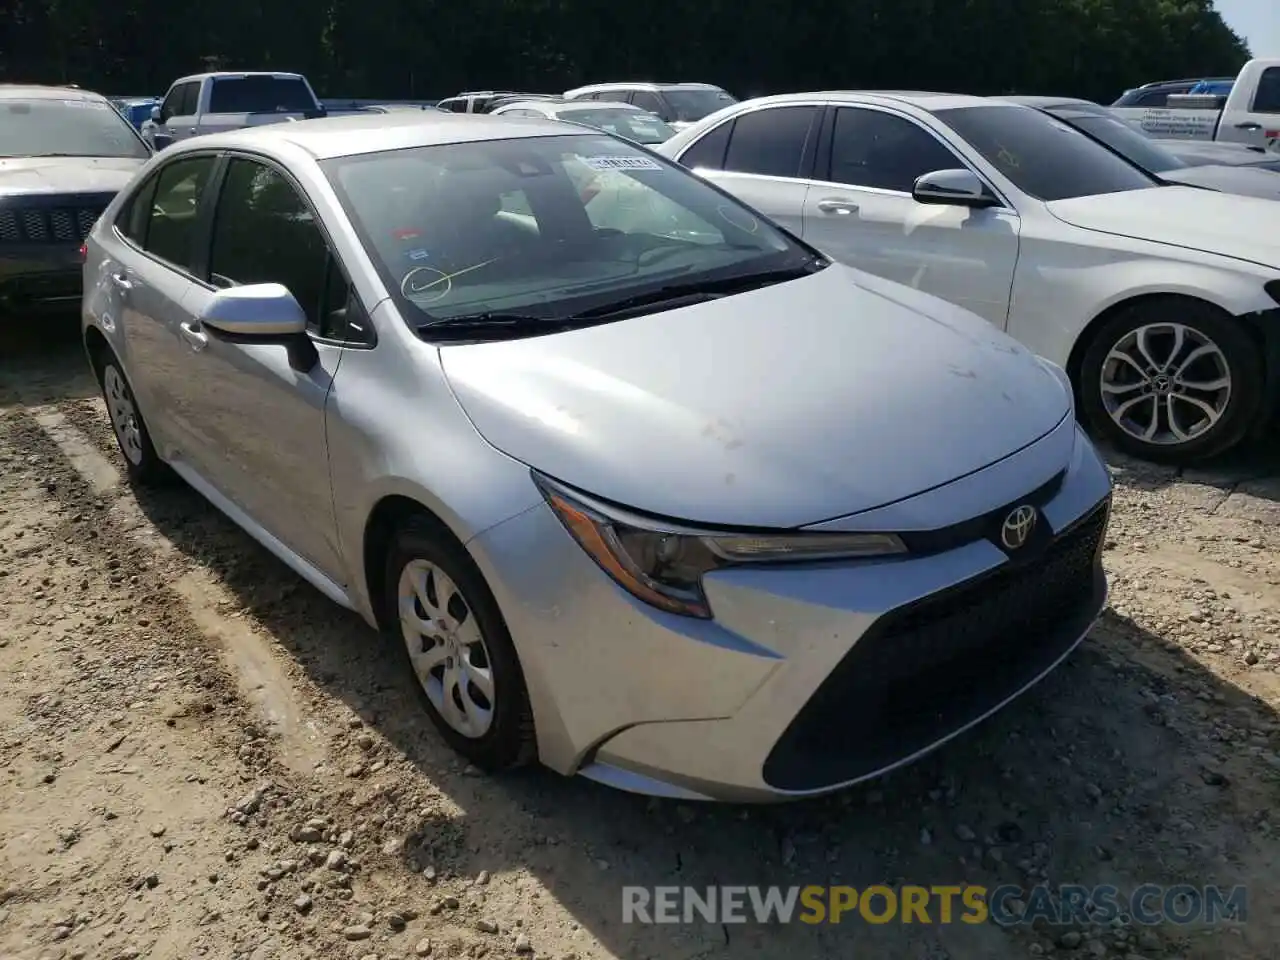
64 154
679 104
217 102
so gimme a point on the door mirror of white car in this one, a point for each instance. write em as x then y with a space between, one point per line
155 114
258 311
962 188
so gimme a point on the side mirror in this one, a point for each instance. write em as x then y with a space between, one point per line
155 115
960 188
261 313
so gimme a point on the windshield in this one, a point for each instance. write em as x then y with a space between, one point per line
691 105
66 128
1127 142
1042 156
260 95
545 226
638 126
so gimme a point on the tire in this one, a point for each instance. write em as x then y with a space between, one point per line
1226 356
142 464
421 547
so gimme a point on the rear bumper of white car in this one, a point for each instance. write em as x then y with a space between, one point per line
810 677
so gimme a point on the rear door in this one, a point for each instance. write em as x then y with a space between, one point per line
764 157
861 211
154 256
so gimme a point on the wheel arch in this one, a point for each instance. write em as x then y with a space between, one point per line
98 348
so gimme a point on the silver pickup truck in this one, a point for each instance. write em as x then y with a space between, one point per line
215 102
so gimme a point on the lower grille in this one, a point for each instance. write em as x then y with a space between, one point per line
48 224
937 665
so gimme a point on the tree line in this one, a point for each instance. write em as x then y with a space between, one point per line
417 49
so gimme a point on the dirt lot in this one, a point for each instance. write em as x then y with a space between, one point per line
202 757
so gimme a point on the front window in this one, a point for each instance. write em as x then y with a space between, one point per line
1042 156
66 128
635 125
693 105
548 227
1128 142
261 95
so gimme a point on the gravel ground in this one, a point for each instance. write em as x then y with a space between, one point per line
202 757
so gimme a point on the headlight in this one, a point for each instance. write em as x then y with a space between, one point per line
663 564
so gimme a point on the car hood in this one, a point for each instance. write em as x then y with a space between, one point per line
1243 228
1243 181
795 403
24 175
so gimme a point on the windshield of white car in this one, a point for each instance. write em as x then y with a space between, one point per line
1043 156
692 104
1126 141
547 227
639 126
66 128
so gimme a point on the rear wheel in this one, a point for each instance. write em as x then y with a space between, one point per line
455 644
141 461
1172 380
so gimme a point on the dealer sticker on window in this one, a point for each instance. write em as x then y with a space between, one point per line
620 163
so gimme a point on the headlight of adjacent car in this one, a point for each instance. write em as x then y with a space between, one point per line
663 564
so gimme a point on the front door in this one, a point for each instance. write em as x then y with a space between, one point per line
862 213
261 417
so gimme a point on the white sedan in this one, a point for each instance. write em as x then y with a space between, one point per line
1162 302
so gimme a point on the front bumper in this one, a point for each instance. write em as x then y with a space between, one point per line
39 277
810 678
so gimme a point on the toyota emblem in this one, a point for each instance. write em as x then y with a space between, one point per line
1017 527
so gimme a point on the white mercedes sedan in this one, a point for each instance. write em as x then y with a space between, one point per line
1162 302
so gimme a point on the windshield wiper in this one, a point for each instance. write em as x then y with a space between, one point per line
496 326
675 295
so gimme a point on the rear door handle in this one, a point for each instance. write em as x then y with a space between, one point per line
843 207
1248 125
121 280
194 337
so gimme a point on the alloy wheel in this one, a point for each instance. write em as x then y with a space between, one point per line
1166 383
446 648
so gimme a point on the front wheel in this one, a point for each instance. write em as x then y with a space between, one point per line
1172 380
455 644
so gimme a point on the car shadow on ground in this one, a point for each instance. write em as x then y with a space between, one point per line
1101 767
1130 755
52 344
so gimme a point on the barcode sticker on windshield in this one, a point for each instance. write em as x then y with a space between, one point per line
620 163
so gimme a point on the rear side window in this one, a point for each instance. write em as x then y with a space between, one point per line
260 95
1267 99
708 151
134 218
770 142
174 211
646 100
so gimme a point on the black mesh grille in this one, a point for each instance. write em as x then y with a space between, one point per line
48 224
937 665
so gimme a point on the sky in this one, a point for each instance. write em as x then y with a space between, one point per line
1258 21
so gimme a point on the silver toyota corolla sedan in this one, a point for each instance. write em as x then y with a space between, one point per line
642 486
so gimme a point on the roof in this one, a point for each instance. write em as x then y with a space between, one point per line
922 99
1045 103
644 85
376 132
24 91
239 74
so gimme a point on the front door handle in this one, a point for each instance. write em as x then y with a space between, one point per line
843 207
194 337
121 280
1248 125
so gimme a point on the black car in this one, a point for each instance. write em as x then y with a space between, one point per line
64 153
1189 163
